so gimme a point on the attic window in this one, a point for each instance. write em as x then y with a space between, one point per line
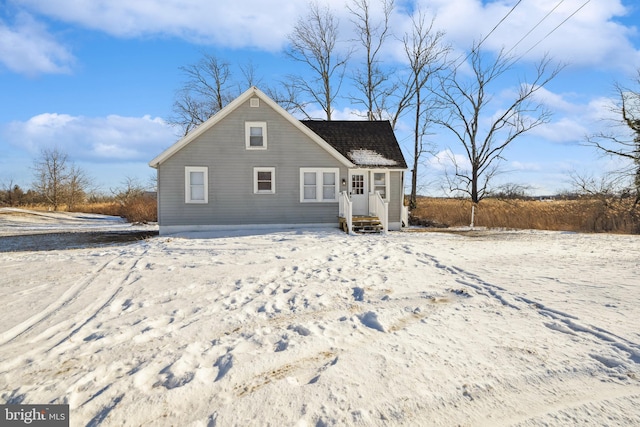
255 135
254 102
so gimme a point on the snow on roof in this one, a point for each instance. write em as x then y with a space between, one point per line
370 158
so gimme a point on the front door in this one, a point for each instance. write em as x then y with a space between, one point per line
359 191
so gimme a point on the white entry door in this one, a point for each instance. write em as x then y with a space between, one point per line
359 190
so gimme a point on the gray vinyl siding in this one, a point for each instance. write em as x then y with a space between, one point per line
396 197
230 175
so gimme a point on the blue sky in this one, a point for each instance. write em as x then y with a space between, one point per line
97 78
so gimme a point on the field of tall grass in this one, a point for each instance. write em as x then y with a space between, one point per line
582 215
139 209
610 215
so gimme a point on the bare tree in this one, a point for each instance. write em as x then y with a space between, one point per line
602 187
426 54
77 185
207 89
251 76
313 43
623 141
11 194
373 83
483 133
51 175
59 181
130 189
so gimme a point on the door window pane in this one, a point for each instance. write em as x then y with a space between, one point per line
357 184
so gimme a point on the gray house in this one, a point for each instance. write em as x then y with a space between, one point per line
254 165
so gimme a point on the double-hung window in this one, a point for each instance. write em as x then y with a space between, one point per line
319 185
380 182
196 184
264 180
255 135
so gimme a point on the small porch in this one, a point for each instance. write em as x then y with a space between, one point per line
377 221
361 224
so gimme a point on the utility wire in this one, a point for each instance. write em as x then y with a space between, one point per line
501 21
523 37
487 36
552 31
535 26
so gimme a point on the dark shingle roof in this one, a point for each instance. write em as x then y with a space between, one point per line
365 143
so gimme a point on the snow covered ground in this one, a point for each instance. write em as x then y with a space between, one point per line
318 328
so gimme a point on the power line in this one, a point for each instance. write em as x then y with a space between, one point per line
557 26
490 32
535 26
501 21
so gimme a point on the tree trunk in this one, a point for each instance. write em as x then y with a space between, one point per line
474 185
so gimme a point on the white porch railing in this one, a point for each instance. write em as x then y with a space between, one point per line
405 216
378 207
345 208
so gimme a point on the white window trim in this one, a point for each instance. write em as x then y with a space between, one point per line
187 184
247 135
386 182
319 192
255 180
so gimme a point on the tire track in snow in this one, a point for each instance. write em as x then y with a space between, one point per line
68 297
65 299
96 308
561 321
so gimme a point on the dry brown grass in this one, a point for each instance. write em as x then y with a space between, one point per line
139 209
585 215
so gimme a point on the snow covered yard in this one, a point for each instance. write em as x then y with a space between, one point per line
318 328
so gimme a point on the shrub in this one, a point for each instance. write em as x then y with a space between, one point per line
140 209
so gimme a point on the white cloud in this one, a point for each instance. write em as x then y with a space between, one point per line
573 121
555 101
254 23
446 160
592 37
523 166
96 139
564 130
28 48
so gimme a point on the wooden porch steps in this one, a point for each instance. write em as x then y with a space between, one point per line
362 224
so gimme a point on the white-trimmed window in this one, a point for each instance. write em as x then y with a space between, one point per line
381 183
264 180
255 135
196 184
319 185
